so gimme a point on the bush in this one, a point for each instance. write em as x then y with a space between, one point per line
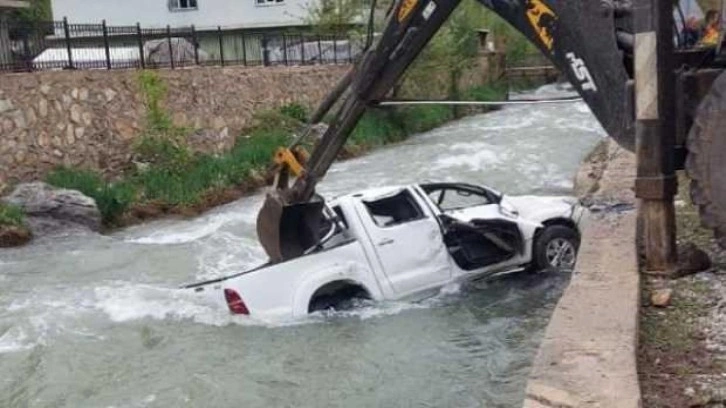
416 119
295 111
490 92
376 128
164 151
112 199
11 215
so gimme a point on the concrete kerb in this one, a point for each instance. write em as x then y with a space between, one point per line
588 355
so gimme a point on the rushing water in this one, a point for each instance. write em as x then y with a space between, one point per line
94 321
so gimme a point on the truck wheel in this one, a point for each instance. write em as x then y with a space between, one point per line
555 249
706 158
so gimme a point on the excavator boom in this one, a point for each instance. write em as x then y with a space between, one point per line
579 37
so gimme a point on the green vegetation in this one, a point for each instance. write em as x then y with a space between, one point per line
11 215
112 199
38 11
170 176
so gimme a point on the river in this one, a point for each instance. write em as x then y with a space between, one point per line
95 321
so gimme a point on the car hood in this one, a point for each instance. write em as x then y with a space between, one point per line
539 208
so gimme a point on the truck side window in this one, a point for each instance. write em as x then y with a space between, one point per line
394 210
458 198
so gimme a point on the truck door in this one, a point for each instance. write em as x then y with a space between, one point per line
408 242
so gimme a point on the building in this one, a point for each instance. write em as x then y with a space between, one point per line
229 14
5 7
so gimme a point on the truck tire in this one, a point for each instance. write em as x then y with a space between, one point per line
706 158
555 249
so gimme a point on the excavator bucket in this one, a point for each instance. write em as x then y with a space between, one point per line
287 231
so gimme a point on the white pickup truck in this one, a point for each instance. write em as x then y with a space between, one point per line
407 242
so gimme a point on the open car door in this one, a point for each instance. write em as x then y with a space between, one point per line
476 232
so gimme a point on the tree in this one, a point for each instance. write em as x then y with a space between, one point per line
39 11
335 17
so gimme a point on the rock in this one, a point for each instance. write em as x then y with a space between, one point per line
5 105
45 89
109 94
661 297
8 125
318 130
13 236
43 108
76 114
65 208
70 134
691 260
19 120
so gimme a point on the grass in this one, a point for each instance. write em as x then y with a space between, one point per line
11 216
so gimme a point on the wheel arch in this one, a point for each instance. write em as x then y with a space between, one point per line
338 286
333 278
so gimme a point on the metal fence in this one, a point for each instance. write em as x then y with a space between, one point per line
60 45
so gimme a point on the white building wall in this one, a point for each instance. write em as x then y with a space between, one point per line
156 13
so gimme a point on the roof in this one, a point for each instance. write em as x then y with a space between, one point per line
13 4
372 193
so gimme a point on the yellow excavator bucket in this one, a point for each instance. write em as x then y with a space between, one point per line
287 230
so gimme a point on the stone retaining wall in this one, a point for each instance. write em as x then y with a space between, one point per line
90 118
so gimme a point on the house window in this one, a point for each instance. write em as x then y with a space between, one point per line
181 5
268 2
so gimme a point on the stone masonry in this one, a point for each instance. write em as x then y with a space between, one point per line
90 119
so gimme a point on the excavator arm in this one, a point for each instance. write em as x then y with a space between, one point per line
579 36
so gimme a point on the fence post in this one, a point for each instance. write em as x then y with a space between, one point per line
265 51
284 49
221 45
105 44
171 50
196 45
67 32
244 49
302 49
335 50
27 55
141 45
320 51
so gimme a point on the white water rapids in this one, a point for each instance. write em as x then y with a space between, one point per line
95 321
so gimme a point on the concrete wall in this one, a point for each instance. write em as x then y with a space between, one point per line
156 13
90 118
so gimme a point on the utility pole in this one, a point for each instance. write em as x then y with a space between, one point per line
656 183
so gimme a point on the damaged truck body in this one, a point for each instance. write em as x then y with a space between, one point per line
406 243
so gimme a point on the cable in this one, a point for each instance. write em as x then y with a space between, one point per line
482 103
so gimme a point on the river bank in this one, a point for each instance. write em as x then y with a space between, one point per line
588 354
165 178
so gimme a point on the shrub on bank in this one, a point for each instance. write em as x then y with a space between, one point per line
11 216
112 199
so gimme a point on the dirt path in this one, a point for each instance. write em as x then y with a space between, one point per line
683 345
